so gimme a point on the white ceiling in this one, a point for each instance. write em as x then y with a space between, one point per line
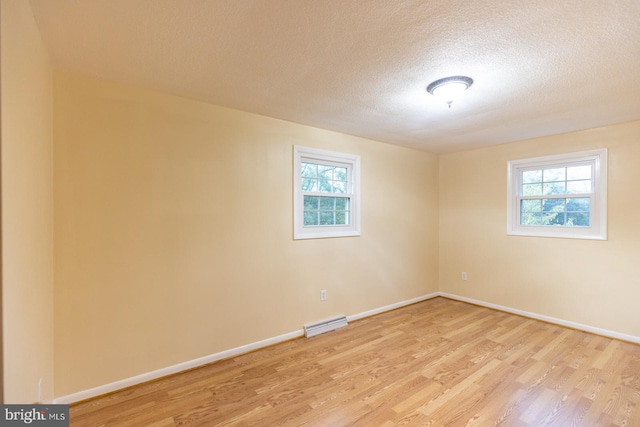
361 66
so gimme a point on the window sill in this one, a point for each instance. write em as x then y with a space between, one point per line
558 234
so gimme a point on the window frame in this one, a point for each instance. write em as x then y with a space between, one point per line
597 230
332 158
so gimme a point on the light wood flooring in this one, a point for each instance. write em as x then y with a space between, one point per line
436 363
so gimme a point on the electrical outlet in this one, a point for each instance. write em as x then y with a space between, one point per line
40 391
464 275
323 295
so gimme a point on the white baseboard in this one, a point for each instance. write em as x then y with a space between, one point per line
560 322
391 307
180 367
174 369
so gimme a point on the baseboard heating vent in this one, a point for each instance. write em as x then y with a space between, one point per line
314 329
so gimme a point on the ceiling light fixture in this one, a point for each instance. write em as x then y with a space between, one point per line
449 88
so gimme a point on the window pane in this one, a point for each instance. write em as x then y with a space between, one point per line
339 187
321 211
553 218
532 190
309 184
581 204
554 175
553 205
342 203
529 177
325 172
578 220
340 174
326 218
571 212
577 187
528 218
309 170
311 203
327 203
555 188
310 218
579 172
324 186
531 205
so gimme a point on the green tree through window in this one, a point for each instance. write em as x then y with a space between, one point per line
539 204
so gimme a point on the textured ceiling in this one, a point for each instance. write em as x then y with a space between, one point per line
361 67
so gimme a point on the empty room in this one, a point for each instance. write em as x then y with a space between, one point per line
321 213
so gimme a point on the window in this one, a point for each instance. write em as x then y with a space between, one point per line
326 194
559 196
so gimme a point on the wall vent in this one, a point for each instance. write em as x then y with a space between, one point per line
314 329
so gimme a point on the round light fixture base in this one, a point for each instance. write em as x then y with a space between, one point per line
449 88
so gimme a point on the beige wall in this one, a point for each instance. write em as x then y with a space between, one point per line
594 283
173 231
26 208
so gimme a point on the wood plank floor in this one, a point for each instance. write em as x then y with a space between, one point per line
436 363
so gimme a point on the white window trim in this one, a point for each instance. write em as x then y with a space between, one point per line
598 228
352 161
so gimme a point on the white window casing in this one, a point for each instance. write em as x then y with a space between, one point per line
546 207
326 200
